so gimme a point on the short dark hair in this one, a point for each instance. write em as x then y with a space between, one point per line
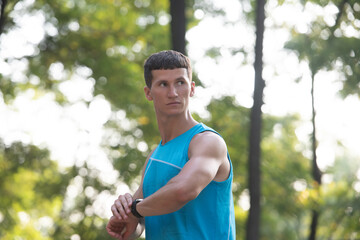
168 59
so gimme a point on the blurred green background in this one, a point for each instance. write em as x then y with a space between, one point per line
75 128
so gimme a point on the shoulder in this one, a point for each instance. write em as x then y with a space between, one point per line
209 149
208 137
147 158
208 142
149 155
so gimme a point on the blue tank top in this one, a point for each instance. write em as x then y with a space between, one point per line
209 216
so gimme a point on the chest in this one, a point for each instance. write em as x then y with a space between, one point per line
164 164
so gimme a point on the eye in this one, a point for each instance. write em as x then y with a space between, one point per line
162 84
181 82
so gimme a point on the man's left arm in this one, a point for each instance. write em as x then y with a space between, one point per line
207 162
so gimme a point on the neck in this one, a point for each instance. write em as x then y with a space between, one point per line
172 126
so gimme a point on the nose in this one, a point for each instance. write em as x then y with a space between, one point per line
172 91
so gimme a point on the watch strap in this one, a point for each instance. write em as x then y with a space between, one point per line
133 208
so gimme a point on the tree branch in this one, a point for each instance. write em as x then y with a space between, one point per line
341 8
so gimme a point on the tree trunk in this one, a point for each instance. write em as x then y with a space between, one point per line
253 221
2 15
178 25
315 171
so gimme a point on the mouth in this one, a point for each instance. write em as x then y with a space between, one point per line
173 103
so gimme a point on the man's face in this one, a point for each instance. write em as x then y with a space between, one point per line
170 90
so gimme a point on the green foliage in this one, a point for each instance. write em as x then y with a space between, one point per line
283 213
37 198
111 39
331 48
8 23
340 205
31 189
240 221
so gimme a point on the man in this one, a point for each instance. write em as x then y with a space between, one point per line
185 191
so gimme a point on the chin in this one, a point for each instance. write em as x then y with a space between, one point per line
174 112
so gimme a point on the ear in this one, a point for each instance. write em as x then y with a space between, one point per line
192 89
148 93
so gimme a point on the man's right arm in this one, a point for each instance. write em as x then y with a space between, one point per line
122 205
123 225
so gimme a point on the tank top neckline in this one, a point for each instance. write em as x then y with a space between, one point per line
181 135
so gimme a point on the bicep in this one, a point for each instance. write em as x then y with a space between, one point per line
198 172
206 154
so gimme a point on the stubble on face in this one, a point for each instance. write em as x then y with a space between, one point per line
170 90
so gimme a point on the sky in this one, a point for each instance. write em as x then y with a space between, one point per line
73 133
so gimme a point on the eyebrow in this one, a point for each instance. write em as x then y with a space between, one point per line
166 80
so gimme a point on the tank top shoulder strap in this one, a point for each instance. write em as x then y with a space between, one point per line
199 128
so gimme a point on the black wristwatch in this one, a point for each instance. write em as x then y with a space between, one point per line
133 208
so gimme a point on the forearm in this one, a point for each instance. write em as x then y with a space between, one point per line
170 198
138 194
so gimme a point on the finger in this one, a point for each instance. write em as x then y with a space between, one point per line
115 211
118 211
120 208
129 199
125 202
114 230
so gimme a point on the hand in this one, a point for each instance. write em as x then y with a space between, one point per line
122 229
122 206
